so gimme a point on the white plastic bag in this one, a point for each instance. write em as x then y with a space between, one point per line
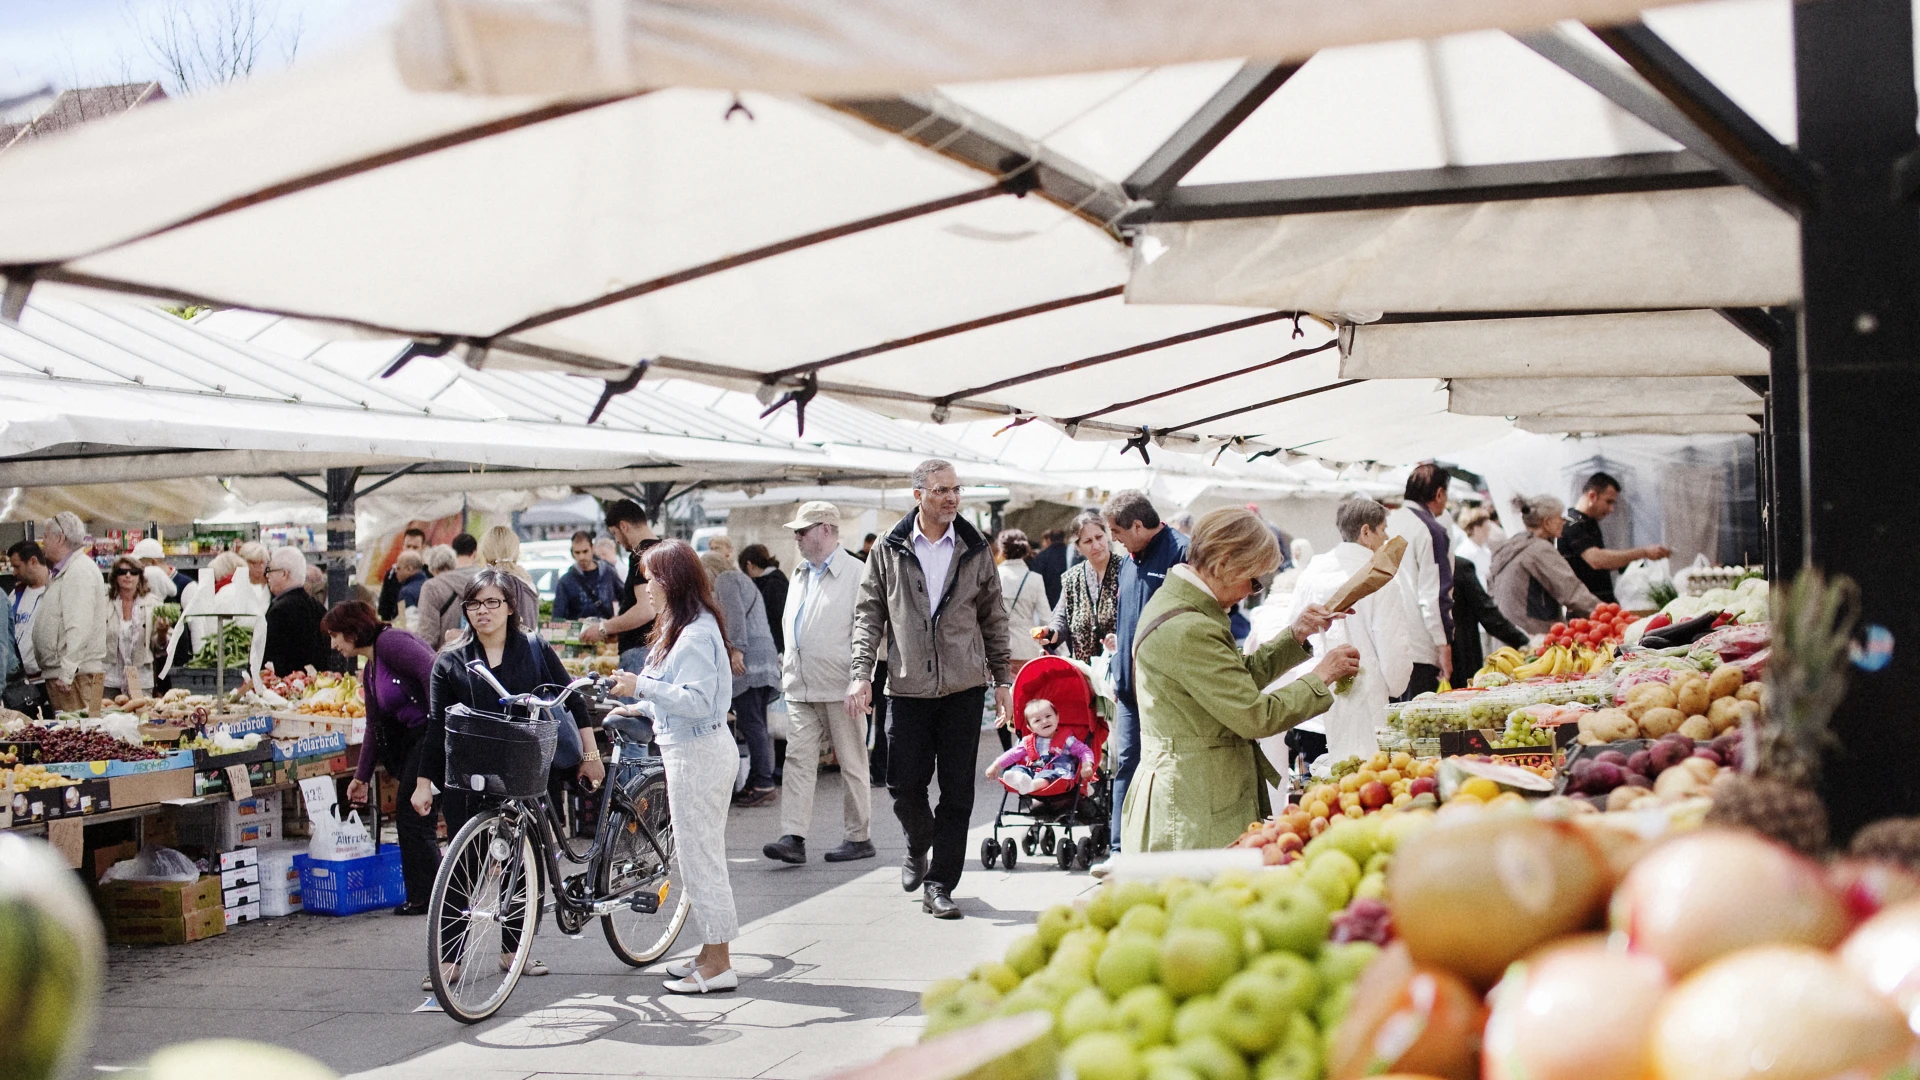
1634 590
153 864
335 840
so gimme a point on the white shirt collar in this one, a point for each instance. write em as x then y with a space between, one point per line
1186 573
920 535
824 566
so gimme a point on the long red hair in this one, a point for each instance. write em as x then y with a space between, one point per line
675 566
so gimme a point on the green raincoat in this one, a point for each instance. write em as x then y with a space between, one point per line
1201 777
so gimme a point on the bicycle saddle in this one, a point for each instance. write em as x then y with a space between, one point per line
633 728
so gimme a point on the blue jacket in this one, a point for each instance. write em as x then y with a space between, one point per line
579 596
1139 579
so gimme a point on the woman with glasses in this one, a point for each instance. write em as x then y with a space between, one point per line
523 664
130 609
685 687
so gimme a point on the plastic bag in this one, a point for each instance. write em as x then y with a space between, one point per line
335 840
1634 590
153 864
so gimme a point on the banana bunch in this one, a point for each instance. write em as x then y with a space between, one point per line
1504 661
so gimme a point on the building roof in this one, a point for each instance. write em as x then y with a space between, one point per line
71 108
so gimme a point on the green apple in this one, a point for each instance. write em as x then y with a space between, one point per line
1054 924
1238 896
1173 1070
1275 880
1299 981
1378 864
1002 977
1209 912
1102 1055
953 1014
1130 960
1196 960
1100 911
1254 1010
1298 1057
1087 1011
1160 1057
1333 1006
1335 860
1027 955
1145 1015
1358 838
1149 920
1344 963
1371 887
1330 885
1177 891
1397 829
1195 1017
1212 1058
1296 920
1128 895
938 993
1027 998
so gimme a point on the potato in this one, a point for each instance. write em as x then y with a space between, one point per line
1639 707
1702 769
1610 725
1657 722
1677 783
1660 695
1623 796
1691 697
1751 692
1725 713
1725 682
1749 713
1697 728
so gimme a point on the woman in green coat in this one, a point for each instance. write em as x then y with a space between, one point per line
1201 778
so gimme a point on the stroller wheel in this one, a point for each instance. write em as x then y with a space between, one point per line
1102 840
1064 855
990 851
1047 841
1009 855
1030 843
1084 858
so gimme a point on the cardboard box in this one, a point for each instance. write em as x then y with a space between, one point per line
240 875
331 765
179 930
208 761
141 789
75 800
240 897
104 858
81 770
235 858
1481 742
243 913
279 880
158 899
318 744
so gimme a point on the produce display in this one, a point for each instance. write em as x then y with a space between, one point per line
1430 715
1248 976
52 960
233 639
1606 626
35 777
72 743
1359 788
333 694
1556 660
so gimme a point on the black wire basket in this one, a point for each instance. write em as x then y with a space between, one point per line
496 755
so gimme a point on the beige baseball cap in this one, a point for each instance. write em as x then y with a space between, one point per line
815 513
149 549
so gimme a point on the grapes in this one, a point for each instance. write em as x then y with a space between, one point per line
73 744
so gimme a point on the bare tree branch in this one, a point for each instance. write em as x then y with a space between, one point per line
206 43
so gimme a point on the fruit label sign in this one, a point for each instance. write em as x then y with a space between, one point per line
238 782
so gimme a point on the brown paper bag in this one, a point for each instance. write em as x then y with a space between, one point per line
1371 577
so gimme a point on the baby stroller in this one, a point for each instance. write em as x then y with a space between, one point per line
1051 814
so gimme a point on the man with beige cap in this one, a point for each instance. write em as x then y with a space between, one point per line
814 675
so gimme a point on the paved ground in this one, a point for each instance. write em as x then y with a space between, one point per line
832 957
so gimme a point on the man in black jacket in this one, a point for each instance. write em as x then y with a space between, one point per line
411 540
1050 563
1473 609
294 637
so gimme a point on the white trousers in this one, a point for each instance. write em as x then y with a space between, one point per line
699 793
808 723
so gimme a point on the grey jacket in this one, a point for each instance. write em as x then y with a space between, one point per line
931 654
70 625
748 630
1531 582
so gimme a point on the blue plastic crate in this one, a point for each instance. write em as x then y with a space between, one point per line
351 886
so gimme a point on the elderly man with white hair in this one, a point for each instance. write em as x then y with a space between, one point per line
70 625
294 638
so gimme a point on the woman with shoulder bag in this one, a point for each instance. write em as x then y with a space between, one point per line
522 664
397 684
131 605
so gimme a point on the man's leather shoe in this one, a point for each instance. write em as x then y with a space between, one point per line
913 871
788 849
851 850
938 904
412 907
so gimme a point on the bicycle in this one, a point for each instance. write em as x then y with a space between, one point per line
488 895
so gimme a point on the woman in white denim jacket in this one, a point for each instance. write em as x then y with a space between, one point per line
684 688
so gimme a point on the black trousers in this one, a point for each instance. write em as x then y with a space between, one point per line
877 726
929 738
1425 678
419 846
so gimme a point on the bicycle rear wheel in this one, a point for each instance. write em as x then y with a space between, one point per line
484 908
640 937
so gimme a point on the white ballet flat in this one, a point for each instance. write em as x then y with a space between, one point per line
680 969
695 983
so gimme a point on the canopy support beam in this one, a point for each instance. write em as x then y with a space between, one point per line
1208 381
387 479
1672 170
1246 91
1758 159
302 484
1859 337
1783 495
340 533
1257 406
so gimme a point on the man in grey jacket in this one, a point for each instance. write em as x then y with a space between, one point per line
932 593
70 627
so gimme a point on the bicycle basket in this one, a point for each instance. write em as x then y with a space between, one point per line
496 755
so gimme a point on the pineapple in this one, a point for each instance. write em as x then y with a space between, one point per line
1773 794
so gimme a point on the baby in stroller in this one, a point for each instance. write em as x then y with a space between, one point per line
1037 764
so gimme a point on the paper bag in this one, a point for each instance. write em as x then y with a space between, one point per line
1371 577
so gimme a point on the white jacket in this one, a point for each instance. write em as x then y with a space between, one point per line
1024 593
70 626
139 639
1384 627
1419 567
818 622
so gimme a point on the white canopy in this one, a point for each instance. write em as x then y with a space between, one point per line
778 244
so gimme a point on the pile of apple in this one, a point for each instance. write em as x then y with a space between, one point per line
1402 782
1729 958
1244 977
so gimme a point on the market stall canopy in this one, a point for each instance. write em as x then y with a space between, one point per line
963 252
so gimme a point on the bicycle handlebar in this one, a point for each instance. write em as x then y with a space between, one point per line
479 667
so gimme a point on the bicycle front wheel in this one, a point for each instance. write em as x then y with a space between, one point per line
484 908
631 863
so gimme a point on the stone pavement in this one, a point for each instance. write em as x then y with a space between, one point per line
832 959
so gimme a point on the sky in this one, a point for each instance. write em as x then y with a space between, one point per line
70 43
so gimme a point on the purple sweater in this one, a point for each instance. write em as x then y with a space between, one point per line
396 684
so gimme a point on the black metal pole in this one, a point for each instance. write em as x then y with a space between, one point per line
340 533
1860 327
1784 493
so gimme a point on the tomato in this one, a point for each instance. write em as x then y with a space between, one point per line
1557 629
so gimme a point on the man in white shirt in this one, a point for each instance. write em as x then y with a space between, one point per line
814 676
1429 565
1385 627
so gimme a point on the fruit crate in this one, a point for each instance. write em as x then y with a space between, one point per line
351 886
